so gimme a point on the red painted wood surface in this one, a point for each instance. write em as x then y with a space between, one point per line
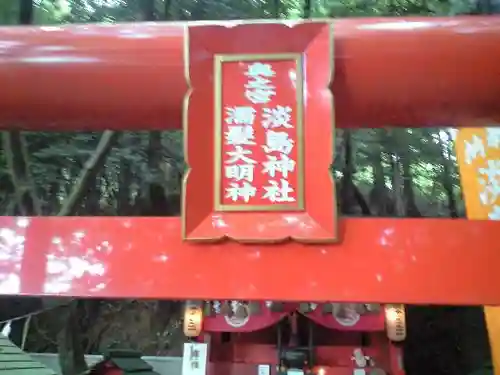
208 214
402 72
371 322
368 322
334 358
229 368
441 261
256 322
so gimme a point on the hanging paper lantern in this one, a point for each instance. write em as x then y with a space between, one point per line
193 319
395 322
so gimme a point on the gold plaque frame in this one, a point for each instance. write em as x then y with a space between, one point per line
219 60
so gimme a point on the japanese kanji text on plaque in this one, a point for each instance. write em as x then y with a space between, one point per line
258 140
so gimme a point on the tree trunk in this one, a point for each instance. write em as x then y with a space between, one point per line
71 354
168 14
379 198
26 12
307 10
352 201
148 10
409 195
446 176
92 200
70 346
277 9
397 187
123 196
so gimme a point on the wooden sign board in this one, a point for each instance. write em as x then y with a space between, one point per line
194 358
259 121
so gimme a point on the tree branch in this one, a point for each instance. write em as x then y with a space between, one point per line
89 172
16 155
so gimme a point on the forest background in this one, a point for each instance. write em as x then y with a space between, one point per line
382 172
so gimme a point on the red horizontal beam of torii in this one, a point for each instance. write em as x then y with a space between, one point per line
436 261
409 72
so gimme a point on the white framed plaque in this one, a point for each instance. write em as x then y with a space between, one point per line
194 358
264 370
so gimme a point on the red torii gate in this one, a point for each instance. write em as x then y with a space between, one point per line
404 72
